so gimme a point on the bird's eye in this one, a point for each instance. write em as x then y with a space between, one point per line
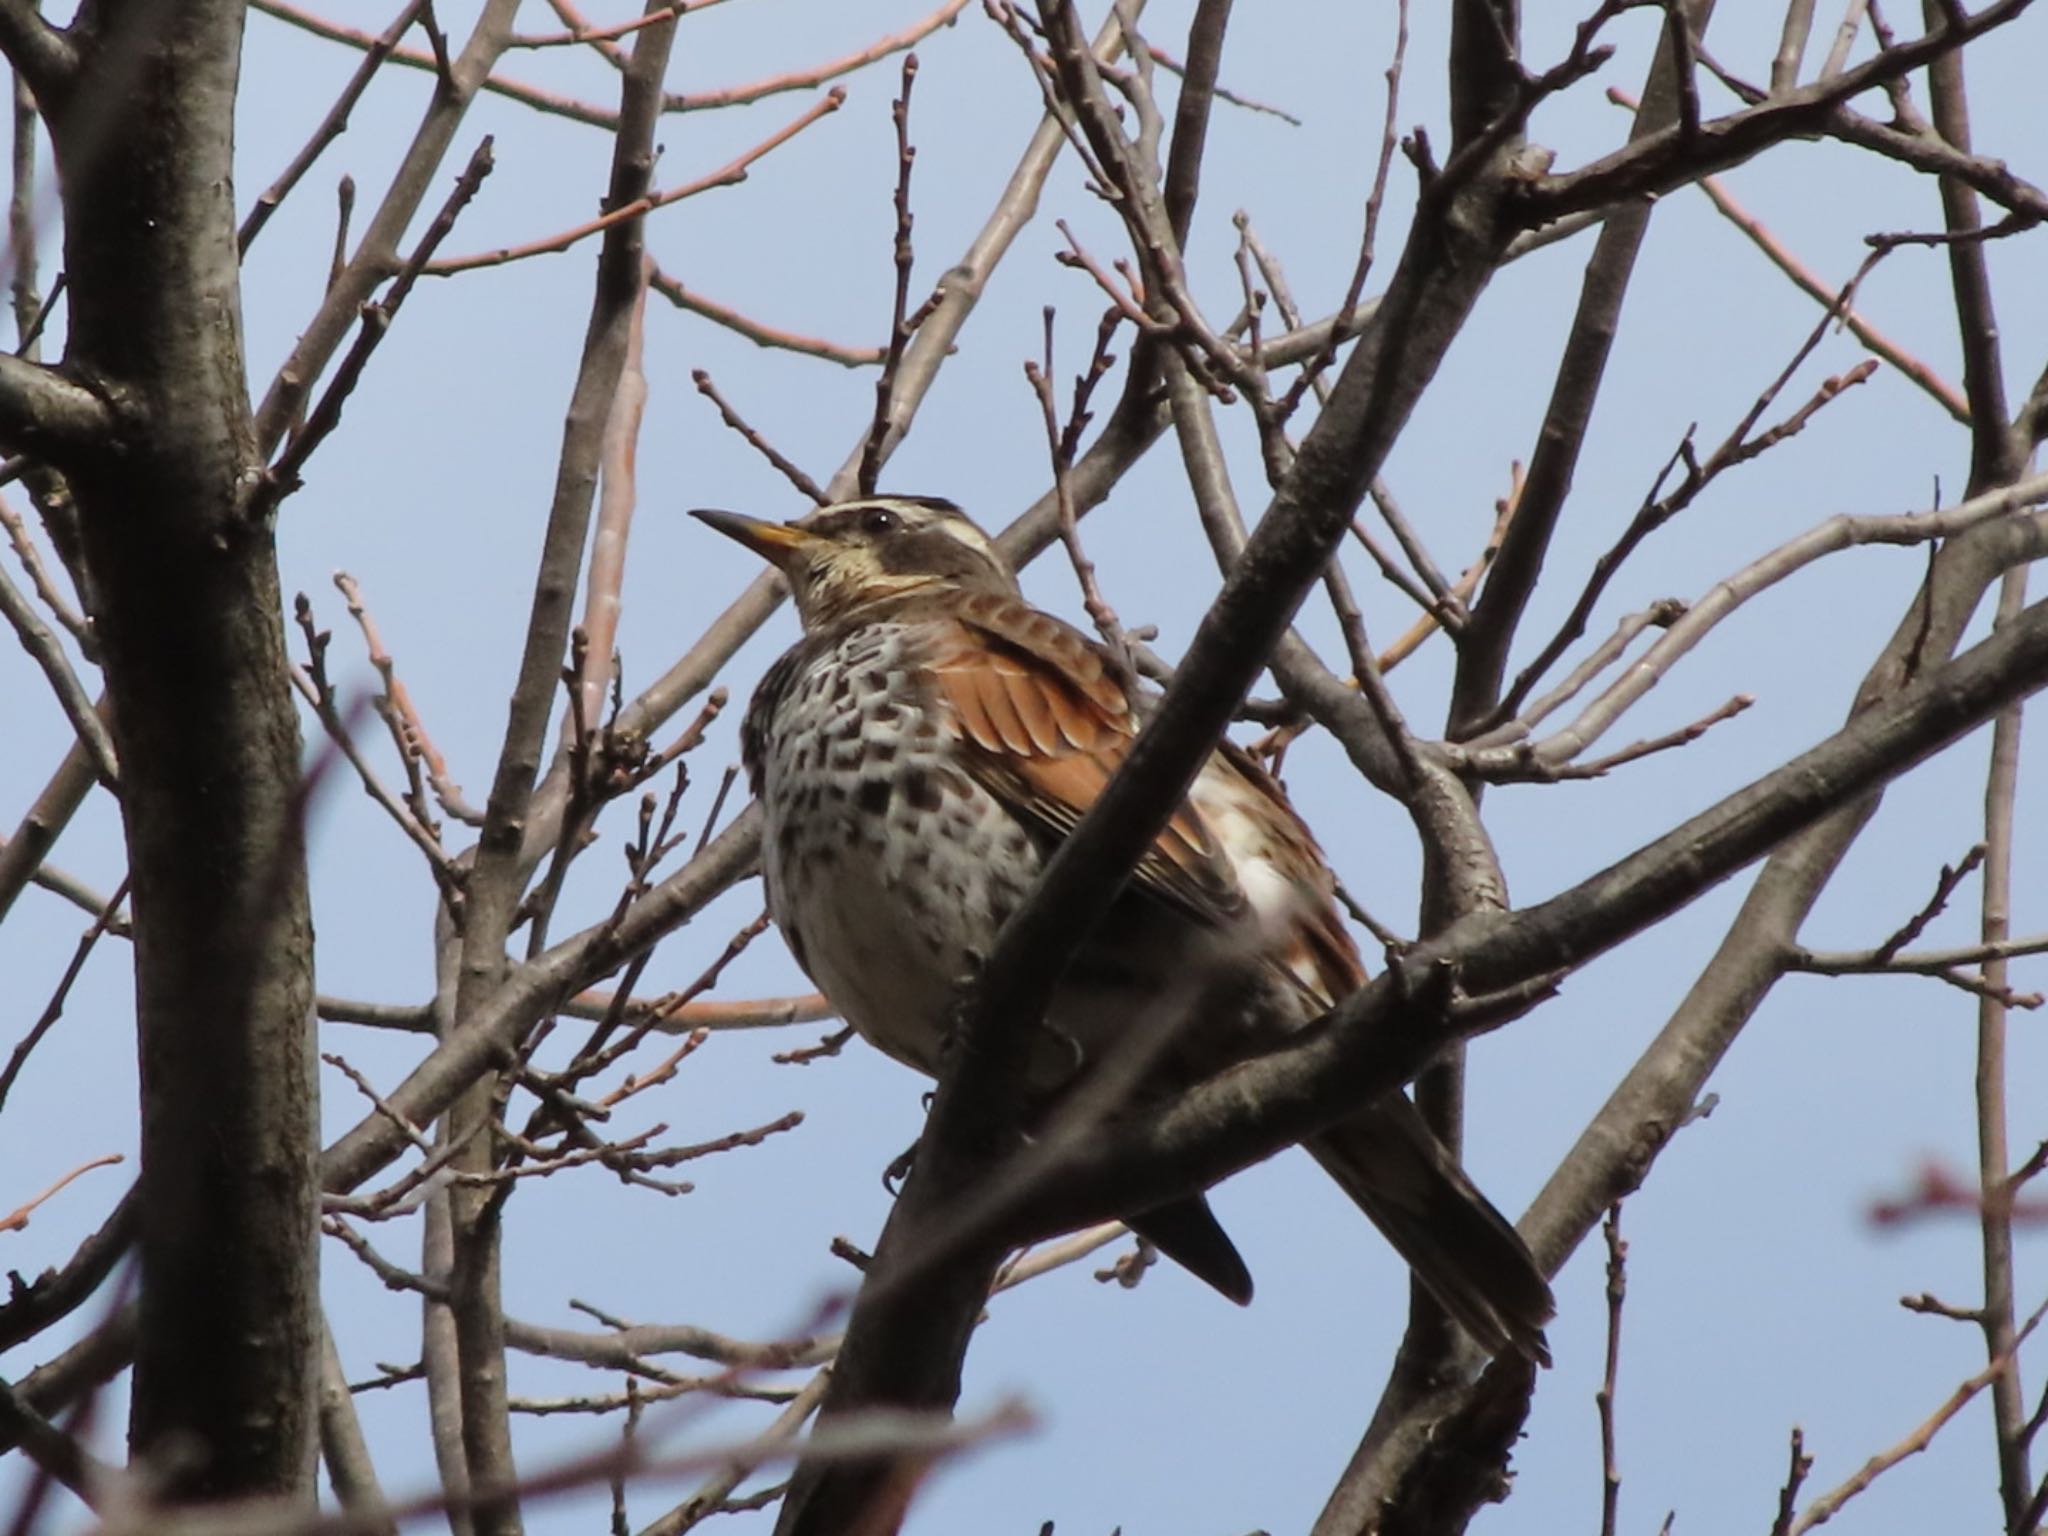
879 520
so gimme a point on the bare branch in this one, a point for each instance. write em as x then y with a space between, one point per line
1617 1291
1664 159
376 256
755 331
583 33
22 855
331 126
47 652
1911 962
731 174
806 79
1582 366
1829 1504
46 413
618 496
532 96
41 54
39 578
1795 1475
283 477
788 468
1919 371
1835 534
902 324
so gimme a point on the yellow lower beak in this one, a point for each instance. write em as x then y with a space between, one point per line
773 542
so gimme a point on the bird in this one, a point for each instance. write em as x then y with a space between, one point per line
919 754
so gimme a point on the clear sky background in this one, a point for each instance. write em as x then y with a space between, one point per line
1760 1295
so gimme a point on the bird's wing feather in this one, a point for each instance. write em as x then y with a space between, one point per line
1045 725
1323 953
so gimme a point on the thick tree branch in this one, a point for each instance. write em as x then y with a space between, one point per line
498 873
908 1330
44 411
1616 1150
1483 647
1671 157
189 623
40 53
1378 1037
1485 65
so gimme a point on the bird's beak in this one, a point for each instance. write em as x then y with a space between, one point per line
774 542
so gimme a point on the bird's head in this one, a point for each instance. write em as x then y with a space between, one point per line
863 557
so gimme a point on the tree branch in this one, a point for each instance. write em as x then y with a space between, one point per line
1377 1038
909 1326
189 621
41 54
1669 158
47 413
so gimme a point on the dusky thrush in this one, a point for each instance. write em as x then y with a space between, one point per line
918 755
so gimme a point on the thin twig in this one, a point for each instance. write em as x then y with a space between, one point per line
1061 444
330 127
1795 1475
1944 887
755 440
1617 1291
902 325
17 1218
54 1008
44 648
816 75
758 331
401 715
61 609
732 173
283 477
605 576
1829 1504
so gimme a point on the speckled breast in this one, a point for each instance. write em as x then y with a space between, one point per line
889 868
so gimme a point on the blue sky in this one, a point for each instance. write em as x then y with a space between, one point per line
1760 1296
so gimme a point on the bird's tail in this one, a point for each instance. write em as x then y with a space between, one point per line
1187 1232
1474 1263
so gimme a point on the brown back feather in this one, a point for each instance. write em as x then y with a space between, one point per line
1047 724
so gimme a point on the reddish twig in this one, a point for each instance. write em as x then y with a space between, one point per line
806 79
580 32
401 715
312 682
17 1218
414 58
758 332
1935 1190
732 173
803 1056
1829 1504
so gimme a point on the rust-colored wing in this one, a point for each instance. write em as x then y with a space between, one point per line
1046 725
